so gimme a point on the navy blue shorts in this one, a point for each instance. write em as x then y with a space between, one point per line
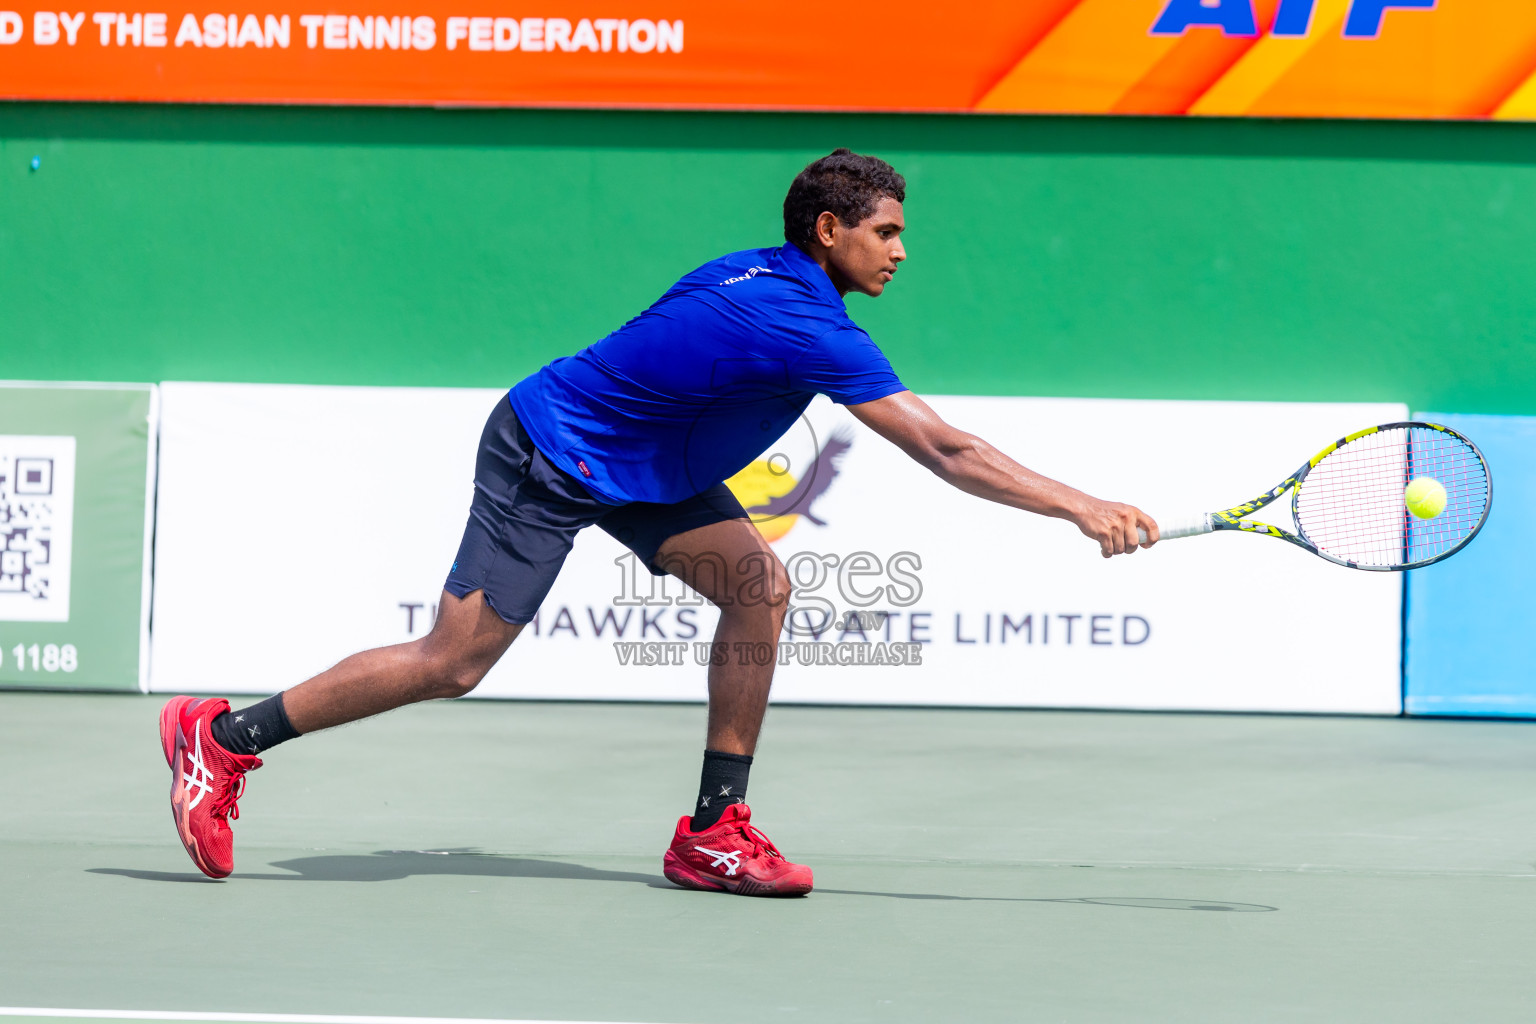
526 514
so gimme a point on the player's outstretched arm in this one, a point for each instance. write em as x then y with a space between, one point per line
971 464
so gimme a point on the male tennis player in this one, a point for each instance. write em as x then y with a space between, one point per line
635 435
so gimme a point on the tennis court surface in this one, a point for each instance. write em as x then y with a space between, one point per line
499 860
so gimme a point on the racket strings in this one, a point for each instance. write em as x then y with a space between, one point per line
1351 505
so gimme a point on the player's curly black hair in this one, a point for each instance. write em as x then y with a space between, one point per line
846 183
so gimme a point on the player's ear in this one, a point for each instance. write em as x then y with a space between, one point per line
826 223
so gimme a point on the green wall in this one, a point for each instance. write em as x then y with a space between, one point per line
1051 256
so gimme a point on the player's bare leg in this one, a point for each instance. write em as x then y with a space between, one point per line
718 848
208 774
732 566
467 639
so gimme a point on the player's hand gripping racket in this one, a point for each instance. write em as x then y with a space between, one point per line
1397 496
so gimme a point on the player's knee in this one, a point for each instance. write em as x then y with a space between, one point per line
766 590
449 677
462 680
765 604
777 591
777 603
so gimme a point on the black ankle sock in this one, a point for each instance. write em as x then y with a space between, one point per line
723 782
254 729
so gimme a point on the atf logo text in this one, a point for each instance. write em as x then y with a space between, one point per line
1291 17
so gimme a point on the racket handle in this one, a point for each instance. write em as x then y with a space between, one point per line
1180 526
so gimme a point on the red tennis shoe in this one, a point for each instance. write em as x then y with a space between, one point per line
206 780
732 855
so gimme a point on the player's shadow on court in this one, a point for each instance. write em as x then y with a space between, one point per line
395 865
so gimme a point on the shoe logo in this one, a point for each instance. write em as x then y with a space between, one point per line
199 775
730 859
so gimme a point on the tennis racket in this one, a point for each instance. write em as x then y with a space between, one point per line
1349 506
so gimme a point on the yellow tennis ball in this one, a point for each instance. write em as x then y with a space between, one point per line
1425 497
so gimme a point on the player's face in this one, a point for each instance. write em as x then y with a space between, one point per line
863 258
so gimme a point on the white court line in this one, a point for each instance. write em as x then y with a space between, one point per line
265 1018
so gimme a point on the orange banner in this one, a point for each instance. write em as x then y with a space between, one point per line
1304 58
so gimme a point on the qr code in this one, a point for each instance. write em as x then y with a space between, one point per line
37 498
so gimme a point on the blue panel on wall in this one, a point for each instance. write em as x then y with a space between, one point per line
1471 637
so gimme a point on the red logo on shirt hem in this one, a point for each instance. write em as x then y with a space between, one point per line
583 467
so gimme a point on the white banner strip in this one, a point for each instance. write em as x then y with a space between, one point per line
326 520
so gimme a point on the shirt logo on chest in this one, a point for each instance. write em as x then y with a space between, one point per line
749 275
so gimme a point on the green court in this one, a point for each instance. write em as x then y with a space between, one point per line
502 860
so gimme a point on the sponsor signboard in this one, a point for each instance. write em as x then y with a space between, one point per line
76 481
299 524
1326 58
1470 647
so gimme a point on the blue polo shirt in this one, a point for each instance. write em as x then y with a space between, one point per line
702 383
